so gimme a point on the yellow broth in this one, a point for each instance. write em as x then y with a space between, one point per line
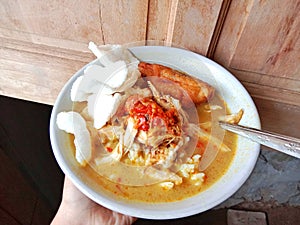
155 193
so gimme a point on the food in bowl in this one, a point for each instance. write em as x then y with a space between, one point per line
143 130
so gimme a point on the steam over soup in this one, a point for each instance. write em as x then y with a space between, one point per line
144 131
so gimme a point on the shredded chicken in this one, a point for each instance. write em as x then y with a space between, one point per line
233 118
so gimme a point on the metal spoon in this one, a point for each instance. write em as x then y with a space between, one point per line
286 144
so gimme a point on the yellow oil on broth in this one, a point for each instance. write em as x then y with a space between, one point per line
155 193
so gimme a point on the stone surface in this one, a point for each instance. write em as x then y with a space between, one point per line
240 217
275 178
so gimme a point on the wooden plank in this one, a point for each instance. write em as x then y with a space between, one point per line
273 93
185 24
195 23
78 53
34 76
39 53
270 87
288 84
69 20
218 28
160 21
34 66
277 50
267 64
232 30
123 22
101 21
23 37
82 21
279 117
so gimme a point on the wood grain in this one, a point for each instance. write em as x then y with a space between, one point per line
269 87
160 21
36 72
123 22
70 20
259 44
276 49
195 23
234 24
185 24
279 117
40 51
218 28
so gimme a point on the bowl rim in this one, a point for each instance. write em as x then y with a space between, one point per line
126 207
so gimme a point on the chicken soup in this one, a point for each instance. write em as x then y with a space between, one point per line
146 132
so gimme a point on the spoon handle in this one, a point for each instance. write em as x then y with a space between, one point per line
282 143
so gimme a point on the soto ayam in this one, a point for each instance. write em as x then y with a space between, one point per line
134 129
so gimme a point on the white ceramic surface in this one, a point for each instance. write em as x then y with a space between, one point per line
244 161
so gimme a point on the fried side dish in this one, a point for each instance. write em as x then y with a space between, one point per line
199 91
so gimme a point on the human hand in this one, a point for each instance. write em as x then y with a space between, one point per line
76 208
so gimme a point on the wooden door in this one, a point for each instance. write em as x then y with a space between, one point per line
260 44
43 43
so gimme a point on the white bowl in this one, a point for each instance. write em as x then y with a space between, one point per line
243 163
